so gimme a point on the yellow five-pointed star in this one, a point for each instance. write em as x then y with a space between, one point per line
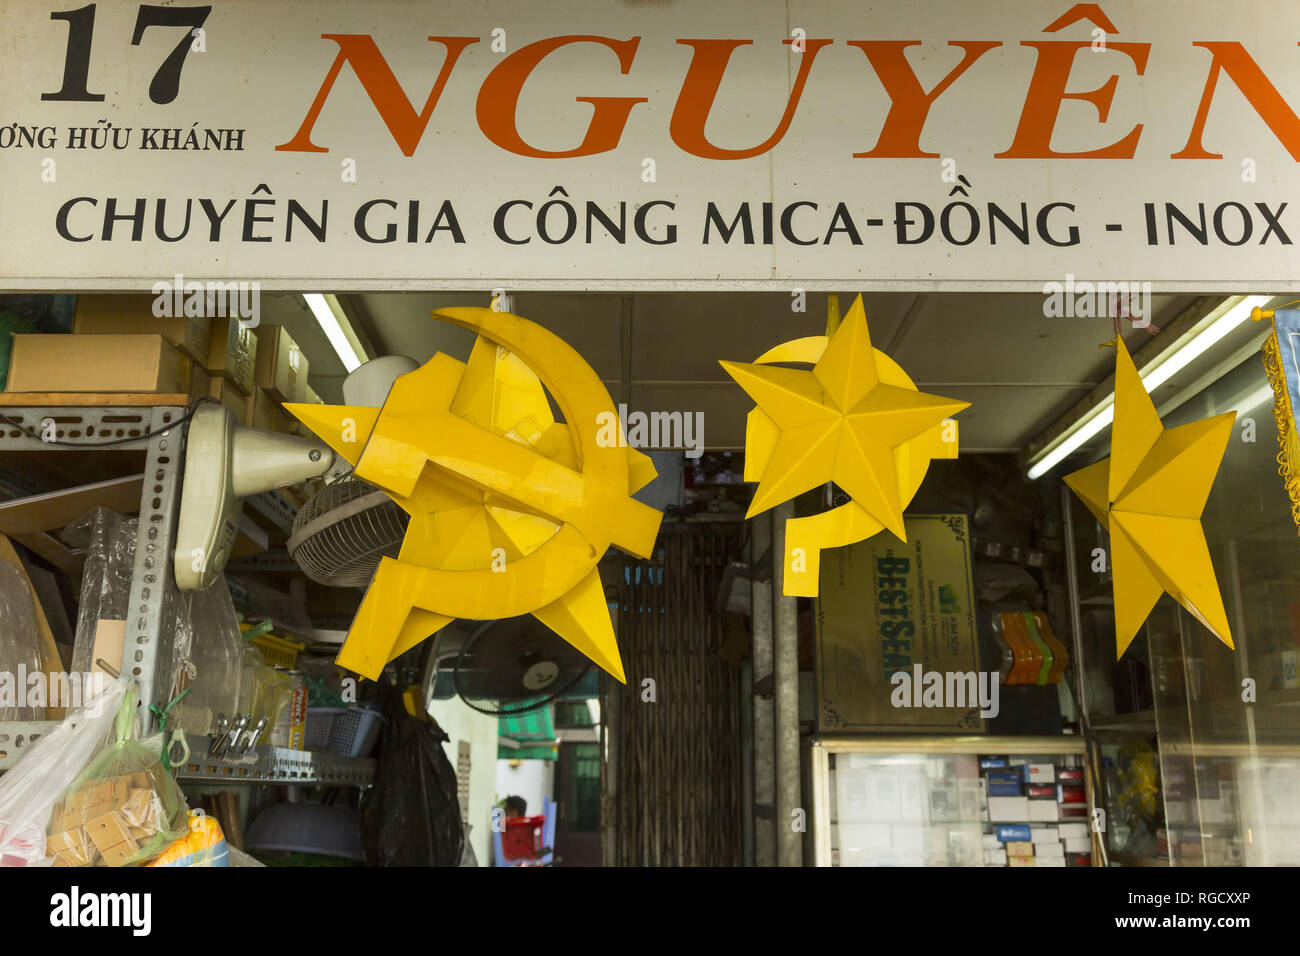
839 422
1149 495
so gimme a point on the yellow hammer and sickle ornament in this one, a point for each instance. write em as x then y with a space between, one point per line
855 419
1149 495
510 510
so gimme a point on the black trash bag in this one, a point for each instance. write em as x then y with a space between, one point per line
411 816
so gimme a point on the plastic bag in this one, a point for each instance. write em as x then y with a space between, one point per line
47 768
123 809
411 817
109 542
270 692
203 845
20 648
211 661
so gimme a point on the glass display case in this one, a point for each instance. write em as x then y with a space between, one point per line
950 801
1197 744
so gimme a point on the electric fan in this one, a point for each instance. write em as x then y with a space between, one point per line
505 667
340 535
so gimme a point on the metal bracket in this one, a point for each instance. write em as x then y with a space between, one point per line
275 765
18 734
131 429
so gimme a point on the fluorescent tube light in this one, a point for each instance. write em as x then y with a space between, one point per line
1174 360
329 324
1262 394
1168 364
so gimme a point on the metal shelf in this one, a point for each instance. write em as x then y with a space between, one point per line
272 505
259 765
17 734
275 765
133 428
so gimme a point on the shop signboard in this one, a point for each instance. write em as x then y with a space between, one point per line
897 650
799 144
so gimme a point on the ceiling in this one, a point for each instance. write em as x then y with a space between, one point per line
1020 370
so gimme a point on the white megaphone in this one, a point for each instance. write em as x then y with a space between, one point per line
225 463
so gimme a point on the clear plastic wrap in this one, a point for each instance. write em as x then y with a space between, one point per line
109 542
29 792
175 670
270 692
210 659
20 649
124 809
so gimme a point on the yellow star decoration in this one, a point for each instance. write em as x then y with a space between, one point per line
855 419
1149 495
510 510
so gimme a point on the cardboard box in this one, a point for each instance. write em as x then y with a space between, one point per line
281 366
1008 809
1020 861
1043 835
1020 848
1067 793
1049 850
135 315
1040 773
1072 831
97 363
233 354
1044 811
260 410
1077 844
1004 783
225 392
286 423
200 381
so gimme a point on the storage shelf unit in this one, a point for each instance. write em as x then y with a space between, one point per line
153 431
275 765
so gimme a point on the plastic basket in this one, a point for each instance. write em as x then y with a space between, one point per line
355 731
522 838
319 726
277 651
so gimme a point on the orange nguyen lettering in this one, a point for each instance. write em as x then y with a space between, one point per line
1049 87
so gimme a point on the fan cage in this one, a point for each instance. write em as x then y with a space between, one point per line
467 662
342 533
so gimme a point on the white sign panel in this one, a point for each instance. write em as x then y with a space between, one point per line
343 144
